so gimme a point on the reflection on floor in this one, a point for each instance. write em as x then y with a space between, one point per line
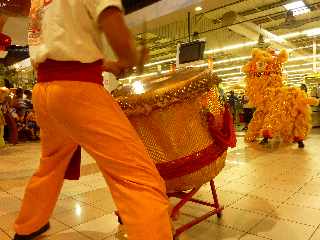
270 192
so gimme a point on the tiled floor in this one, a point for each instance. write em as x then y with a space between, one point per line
270 192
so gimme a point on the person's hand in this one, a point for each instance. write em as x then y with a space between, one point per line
111 67
143 52
143 56
119 69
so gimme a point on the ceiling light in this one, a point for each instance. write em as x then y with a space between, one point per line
312 32
231 47
300 70
232 78
230 74
198 9
232 60
200 65
160 62
294 5
303 64
301 11
297 7
227 69
297 74
303 57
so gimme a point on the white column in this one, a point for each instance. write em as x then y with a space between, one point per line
314 55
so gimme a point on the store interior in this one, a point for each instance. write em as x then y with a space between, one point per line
266 188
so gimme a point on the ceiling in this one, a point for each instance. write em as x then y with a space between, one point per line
228 23
134 5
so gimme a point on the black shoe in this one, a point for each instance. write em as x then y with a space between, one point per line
264 141
301 144
32 235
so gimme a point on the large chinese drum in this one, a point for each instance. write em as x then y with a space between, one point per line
183 124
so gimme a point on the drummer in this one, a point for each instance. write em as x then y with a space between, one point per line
73 108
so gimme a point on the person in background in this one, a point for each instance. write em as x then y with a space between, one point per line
304 88
21 126
31 126
233 103
317 91
3 94
221 94
8 84
73 109
248 112
17 96
18 103
11 132
2 124
28 100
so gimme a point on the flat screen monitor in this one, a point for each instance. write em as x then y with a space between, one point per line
191 52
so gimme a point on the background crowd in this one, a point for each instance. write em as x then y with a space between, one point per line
17 118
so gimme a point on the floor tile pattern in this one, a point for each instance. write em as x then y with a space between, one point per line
270 192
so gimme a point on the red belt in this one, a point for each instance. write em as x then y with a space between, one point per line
52 70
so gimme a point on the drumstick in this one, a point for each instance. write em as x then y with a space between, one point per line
143 51
142 54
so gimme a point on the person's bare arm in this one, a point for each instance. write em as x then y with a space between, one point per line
112 23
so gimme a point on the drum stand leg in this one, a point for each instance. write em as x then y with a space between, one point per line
215 199
188 197
185 197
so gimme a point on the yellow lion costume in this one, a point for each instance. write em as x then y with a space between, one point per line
280 111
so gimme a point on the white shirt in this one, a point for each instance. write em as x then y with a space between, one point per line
67 30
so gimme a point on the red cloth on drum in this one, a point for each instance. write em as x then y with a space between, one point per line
223 139
189 164
226 137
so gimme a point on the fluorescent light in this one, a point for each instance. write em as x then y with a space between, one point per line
300 70
240 45
232 60
200 65
312 32
297 7
303 58
297 74
294 5
232 78
198 9
227 69
230 74
160 62
139 76
238 67
301 11
231 47
299 65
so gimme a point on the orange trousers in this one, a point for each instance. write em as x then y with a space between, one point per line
80 113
